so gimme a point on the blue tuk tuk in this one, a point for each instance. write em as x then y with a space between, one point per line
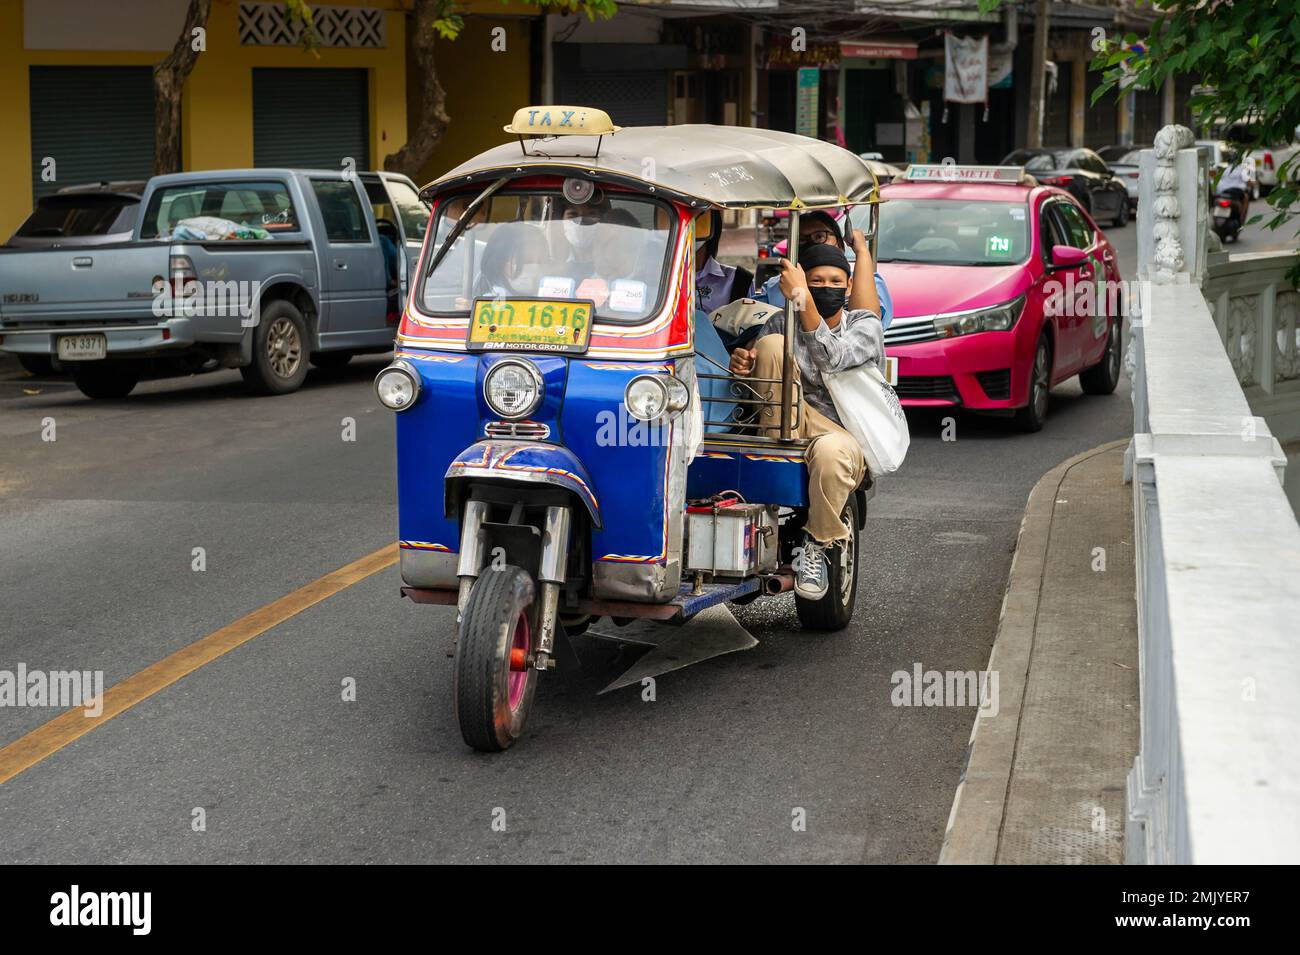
570 445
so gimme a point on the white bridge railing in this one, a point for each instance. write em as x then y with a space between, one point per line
1217 778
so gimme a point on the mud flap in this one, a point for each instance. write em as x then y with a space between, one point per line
710 633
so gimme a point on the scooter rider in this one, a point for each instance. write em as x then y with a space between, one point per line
1234 183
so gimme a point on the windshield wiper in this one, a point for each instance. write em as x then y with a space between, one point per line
463 223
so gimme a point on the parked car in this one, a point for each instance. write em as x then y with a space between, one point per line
1081 173
258 269
1218 151
996 281
1123 162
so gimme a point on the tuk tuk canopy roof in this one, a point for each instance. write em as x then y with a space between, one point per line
731 167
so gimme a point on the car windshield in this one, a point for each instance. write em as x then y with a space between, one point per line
612 251
944 232
80 215
1130 158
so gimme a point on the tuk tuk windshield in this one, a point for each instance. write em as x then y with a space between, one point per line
534 244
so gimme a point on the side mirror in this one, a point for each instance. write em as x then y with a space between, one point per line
1067 256
704 225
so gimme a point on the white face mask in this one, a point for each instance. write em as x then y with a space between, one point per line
578 235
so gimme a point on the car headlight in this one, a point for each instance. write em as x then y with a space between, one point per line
513 388
398 386
999 318
649 397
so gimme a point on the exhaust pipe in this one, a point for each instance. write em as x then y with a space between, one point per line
778 583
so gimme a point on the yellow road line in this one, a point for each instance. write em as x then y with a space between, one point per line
51 737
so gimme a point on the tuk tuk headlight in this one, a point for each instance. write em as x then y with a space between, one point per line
398 386
648 397
513 388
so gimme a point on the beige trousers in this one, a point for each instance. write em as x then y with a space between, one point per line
835 462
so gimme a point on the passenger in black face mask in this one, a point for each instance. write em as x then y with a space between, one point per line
828 338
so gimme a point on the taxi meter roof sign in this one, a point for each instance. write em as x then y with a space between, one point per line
949 172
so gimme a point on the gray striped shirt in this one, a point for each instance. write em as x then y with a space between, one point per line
857 340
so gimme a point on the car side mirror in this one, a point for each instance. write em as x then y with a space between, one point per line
1066 256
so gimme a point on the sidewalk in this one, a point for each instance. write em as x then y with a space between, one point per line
1044 780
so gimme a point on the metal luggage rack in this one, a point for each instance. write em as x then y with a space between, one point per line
752 401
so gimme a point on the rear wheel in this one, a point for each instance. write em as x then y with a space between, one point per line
1102 377
1121 217
835 609
495 682
1033 414
105 380
279 351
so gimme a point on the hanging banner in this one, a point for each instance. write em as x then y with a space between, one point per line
1000 71
966 72
806 101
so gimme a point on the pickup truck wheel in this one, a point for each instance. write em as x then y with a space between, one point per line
105 379
279 351
331 360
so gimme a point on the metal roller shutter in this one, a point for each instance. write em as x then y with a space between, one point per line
95 122
311 118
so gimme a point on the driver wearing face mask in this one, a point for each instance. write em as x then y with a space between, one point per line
580 233
829 338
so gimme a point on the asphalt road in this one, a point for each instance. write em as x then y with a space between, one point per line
97 536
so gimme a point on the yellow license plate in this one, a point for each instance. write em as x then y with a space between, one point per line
555 325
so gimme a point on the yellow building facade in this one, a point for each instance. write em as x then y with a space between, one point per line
42 38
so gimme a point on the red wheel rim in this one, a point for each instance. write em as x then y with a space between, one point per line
518 681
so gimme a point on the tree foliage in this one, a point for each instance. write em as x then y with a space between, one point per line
1245 56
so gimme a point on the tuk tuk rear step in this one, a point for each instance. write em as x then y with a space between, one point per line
683 607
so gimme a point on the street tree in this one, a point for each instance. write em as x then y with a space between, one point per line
432 20
1244 55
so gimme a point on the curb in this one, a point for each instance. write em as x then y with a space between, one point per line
978 806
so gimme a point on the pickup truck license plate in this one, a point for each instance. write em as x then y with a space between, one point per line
555 325
82 347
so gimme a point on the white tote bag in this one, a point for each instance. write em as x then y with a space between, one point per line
870 411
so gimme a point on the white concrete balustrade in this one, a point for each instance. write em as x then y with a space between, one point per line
1217 778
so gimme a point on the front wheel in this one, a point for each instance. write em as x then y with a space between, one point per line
495 681
105 380
1121 217
834 610
1032 415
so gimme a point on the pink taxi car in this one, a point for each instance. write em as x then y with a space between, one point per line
1002 288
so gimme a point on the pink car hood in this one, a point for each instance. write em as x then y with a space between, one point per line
920 289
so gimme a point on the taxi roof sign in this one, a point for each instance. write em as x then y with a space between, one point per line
561 121
950 172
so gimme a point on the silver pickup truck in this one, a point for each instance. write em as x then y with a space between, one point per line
263 270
